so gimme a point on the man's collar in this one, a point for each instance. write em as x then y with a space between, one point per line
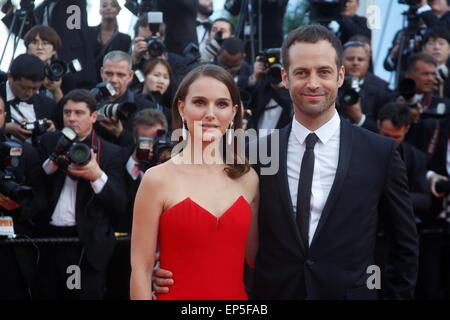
324 133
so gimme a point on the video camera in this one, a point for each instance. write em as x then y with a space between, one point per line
12 194
58 69
68 150
272 62
349 91
107 109
151 152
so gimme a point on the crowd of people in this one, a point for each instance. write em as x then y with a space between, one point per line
86 123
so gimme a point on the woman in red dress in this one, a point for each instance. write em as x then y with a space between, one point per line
198 208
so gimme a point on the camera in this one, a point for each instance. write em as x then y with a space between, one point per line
111 110
38 127
325 11
212 49
58 69
69 151
12 194
272 63
103 91
349 91
145 6
153 151
442 186
156 47
442 72
407 89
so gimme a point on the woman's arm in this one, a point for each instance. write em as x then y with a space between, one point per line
252 240
148 207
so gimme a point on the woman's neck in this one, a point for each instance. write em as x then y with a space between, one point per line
109 25
202 153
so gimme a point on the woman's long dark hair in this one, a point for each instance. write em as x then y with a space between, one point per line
239 166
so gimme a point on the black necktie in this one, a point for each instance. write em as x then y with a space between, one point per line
206 24
304 188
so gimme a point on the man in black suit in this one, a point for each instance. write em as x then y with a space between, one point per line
86 201
374 92
146 126
19 262
350 23
26 76
117 70
435 13
318 218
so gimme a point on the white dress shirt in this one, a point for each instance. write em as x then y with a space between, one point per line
131 165
64 213
270 116
25 108
326 153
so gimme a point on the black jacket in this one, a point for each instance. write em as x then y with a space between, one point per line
96 214
351 26
335 266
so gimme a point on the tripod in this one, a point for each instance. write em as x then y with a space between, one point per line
21 18
247 17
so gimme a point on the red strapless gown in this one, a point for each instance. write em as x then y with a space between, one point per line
204 253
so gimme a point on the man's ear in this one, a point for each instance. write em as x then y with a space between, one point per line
94 117
285 78
341 75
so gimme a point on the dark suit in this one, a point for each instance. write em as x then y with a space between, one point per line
351 26
19 262
96 216
370 176
261 95
43 107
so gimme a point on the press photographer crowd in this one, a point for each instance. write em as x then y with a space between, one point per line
86 111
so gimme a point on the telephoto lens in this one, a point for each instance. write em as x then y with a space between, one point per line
79 154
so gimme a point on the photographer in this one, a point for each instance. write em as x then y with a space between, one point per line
205 10
221 29
43 42
437 44
371 91
148 126
232 58
271 104
117 71
140 52
350 23
87 199
106 36
422 70
435 13
18 262
29 115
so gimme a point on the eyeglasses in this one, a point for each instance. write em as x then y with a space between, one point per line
44 43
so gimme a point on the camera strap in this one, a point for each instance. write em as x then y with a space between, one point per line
14 106
95 141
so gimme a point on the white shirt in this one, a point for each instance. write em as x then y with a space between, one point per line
202 36
25 108
131 164
326 153
270 116
64 213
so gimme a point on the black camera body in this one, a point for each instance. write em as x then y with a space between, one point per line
12 194
272 62
103 91
69 151
58 69
150 152
156 47
349 92
38 127
325 11
111 110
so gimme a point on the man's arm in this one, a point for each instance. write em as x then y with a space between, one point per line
398 219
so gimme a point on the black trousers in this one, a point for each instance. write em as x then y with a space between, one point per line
55 274
13 284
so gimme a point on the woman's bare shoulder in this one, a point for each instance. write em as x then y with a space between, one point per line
160 174
250 182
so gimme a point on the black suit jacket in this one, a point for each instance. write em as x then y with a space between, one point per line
261 95
43 107
350 26
416 170
96 214
370 178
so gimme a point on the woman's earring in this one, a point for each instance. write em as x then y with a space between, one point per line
230 133
183 130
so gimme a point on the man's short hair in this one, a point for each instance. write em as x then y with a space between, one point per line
437 33
148 118
419 56
227 21
118 56
80 95
45 33
311 34
233 46
27 66
398 113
